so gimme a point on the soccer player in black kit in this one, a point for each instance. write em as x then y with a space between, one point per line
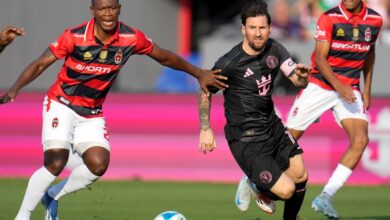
258 140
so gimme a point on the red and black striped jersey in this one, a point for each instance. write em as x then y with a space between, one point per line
350 36
90 66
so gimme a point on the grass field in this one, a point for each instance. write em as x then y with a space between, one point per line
137 200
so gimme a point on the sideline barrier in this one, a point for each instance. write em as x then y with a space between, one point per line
155 137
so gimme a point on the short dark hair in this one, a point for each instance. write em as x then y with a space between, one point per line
93 2
254 8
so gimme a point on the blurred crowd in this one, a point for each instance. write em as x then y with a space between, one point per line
297 19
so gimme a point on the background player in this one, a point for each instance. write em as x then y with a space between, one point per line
94 52
345 46
258 140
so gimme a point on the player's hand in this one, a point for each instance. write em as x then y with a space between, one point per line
8 97
8 34
302 71
346 93
211 78
207 141
366 100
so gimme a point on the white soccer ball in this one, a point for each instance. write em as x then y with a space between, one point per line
170 215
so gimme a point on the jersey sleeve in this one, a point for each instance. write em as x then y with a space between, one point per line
287 64
144 44
324 29
63 46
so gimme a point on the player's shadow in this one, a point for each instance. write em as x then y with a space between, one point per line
366 218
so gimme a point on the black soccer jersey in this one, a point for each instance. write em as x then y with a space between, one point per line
249 108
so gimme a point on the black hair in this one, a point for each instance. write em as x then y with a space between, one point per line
254 8
93 2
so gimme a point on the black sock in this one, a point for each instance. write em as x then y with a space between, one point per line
293 205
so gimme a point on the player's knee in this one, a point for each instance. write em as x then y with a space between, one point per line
55 167
98 166
286 192
302 176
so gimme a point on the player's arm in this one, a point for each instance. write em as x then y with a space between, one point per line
368 71
299 77
32 71
205 77
206 138
8 34
322 51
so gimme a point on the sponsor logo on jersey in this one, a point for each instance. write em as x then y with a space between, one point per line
264 85
272 62
355 34
340 32
248 73
367 35
87 56
54 123
359 47
118 56
93 69
103 56
265 177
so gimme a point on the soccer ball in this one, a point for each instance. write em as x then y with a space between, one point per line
170 215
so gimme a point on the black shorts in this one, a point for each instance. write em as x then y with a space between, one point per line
264 162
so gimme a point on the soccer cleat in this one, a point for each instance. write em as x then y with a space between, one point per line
51 207
324 204
263 202
243 194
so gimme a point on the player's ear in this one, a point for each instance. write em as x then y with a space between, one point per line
243 29
270 28
119 7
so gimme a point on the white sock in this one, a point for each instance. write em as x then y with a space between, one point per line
337 180
37 186
80 178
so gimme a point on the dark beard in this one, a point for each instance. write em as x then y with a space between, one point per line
257 49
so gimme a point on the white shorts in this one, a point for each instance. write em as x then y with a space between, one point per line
64 128
314 101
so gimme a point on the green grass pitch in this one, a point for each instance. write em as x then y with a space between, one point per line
138 200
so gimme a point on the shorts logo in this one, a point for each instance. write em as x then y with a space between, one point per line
265 177
118 56
54 123
272 62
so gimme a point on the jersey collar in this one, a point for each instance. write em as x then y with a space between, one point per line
90 36
348 15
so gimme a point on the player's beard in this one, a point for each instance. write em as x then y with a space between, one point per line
256 47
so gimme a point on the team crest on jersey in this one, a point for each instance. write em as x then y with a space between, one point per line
355 34
367 35
87 56
118 56
265 177
54 123
272 62
103 56
340 33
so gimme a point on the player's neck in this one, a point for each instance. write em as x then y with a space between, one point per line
102 35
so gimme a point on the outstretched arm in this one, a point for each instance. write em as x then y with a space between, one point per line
8 34
32 71
205 77
206 139
300 76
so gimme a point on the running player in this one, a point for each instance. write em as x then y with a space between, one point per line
259 142
345 46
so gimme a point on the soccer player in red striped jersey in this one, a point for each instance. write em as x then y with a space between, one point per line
345 47
8 34
94 52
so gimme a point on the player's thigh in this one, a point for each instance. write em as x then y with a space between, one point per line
57 126
91 132
265 172
309 105
297 170
356 110
356 129
284 187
